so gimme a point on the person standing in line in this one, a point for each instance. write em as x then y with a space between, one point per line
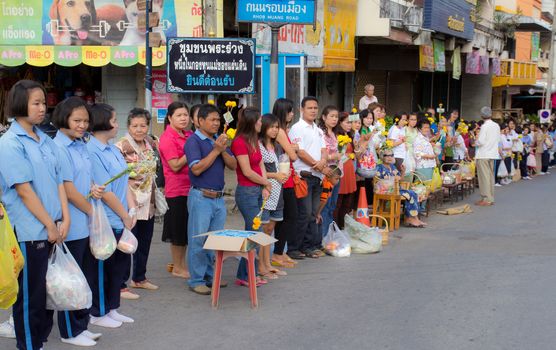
137 146
487 152
311 166
252 184
107 161
348 180
285 229
174 164
32 189
368 98
207 154
71 118
397 135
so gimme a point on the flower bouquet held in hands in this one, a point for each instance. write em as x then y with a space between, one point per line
257 219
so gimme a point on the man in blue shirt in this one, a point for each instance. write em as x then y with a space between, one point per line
206 156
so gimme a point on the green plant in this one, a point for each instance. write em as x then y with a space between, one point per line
532 118
507 24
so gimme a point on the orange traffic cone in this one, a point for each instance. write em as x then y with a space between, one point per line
362 214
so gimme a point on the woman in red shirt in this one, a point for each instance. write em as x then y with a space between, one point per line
174 164
252 185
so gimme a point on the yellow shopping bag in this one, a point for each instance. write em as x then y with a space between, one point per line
11 263
436 181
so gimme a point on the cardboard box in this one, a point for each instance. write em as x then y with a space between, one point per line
243 242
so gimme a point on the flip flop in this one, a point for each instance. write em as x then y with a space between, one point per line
269 276
278 272
287 265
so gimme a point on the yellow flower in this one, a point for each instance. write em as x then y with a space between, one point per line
519 136
343 140
354 110
256 223
210 102
382 121
389 144
445 129
426 115
230 104
385 133
396 120
431 120
351 156
231 133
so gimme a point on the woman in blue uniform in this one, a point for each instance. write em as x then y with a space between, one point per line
107 161
71 118
35 199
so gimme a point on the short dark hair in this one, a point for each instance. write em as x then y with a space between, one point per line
64 109
399 116
138 113
101 113
171 109
422 122
307 99
17 104
207 109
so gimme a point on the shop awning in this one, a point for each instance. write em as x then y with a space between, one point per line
69 56
528 24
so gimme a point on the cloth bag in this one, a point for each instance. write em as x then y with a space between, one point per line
66 285
160 203
299 186
336 242
11 263
101 239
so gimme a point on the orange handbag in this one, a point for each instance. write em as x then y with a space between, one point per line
299 186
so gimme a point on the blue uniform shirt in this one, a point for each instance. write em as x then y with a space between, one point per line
197 147
107 162
22 160
76 168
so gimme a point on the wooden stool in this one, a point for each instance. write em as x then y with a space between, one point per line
392 214
252 279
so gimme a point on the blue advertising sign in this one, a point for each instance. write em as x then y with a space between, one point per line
276 11
450 17
200 65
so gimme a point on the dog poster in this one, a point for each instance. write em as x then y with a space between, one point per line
93 22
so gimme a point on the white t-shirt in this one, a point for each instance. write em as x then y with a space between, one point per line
487 142
395 134
513 136
459 148
310 138
365 101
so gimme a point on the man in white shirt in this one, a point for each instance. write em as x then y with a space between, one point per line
368 98
311 166
487 151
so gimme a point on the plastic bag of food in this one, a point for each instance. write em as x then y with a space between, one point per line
101 238
385 186
128 242
66 285
336 242
11 263
364 239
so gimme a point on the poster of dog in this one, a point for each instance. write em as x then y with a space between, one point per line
102 22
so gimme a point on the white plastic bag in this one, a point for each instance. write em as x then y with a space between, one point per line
336 242
502 171
160 203
531 161
101 238
66 286
364 239
128 242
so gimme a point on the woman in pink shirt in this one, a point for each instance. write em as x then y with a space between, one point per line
177 184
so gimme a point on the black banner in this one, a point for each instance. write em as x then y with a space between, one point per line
204 65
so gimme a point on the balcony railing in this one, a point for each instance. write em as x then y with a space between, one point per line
514 72
402 14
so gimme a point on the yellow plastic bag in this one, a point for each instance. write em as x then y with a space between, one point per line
11 263
436 181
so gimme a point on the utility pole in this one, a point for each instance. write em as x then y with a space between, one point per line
548 100
210 25
148 62
273 91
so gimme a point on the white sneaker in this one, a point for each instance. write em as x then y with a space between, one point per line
497 185
547 173
7 329
80 340
91 335
113 314
105 321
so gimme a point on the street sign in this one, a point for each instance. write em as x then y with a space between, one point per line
203 65
276 11
544 116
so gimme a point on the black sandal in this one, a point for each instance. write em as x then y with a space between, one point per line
312 254
297 255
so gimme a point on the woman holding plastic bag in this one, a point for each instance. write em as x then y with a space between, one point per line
72 118
136 147
35 199
108 164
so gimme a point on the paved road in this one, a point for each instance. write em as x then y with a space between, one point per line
478 281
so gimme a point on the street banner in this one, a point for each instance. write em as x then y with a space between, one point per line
472 63
225 66
439 56
426 58
276 11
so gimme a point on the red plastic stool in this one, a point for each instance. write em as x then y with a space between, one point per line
252 279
